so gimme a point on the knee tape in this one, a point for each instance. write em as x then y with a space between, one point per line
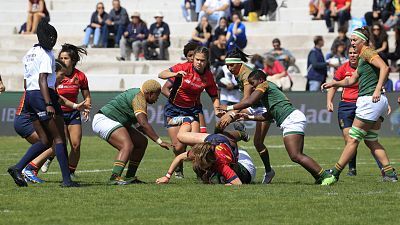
357 133
372 135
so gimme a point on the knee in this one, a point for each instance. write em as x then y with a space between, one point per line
76 147
296 157
258 144
127 147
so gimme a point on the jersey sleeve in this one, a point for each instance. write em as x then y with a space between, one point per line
227 172
211 88
340 73
176 68
139 104
263 87
45 64
83 82
368 54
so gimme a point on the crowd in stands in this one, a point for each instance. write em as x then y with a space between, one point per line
220 27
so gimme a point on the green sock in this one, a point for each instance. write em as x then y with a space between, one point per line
337 170
265 159
132 168
118 168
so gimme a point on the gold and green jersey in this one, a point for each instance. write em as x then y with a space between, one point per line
275 101
125 106
242 79
368 73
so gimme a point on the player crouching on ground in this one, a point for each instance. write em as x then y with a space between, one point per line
113 123
215 157
291 121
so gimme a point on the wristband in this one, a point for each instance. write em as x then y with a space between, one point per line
251 117
232 115
49 104
168 175
229 108
159 141
75 106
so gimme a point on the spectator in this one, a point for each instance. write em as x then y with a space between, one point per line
317 67
214 10
394 17
284 56
276 73
236 35
116 23
228 86
202 33
397 88
97 23
257 61
218 52
134 37
394 56
268 8
339 10
317 8
188 7
36 11
379 40
381 10
388 85
341 38
158 38
221 29
237 6
337 57
188 51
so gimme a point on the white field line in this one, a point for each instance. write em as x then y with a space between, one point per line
258 167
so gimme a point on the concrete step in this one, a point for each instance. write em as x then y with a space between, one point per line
185 29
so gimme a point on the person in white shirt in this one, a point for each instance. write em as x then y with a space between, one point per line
214 10
41 101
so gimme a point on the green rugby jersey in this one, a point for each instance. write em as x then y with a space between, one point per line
368 73
125 106
276 102
242 77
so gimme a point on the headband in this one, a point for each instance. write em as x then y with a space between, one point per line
233 60
360 35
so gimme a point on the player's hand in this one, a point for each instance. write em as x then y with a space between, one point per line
225 121
327 85
180 74
218 113
222 108
329 106
166 145
162 180
376 97
389 109
242 116
50 111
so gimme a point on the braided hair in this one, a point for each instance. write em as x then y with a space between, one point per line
237 53
74 52
46 34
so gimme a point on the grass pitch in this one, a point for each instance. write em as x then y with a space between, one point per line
292 198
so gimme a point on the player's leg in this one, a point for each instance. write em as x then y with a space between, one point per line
203 125
259 137
187 136
75 138
379 153
139 148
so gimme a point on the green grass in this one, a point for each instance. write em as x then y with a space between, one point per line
292 198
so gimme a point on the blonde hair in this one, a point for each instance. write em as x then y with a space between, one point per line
204 160
151 86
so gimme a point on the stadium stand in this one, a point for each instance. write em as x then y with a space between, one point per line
294 28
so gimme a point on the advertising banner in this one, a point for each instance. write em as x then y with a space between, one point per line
313 105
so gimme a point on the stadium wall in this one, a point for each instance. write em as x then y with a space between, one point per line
313 105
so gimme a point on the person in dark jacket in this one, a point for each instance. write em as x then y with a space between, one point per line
134 36
381 10
317 67
116 23
97 23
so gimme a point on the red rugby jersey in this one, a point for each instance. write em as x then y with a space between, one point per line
186 91
69 87
349 94
225 158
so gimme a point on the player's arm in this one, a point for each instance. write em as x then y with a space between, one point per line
65 102
343 83
329 98
383 76
178 159
88 103
165 74
166 89
229 174
44 90
149 131
259 117
246 102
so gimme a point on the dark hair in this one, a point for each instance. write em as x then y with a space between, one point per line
380 38
60 65
364 30
237 14
190 46
74 52
276 40
257 74
335 48
317 39
342 29
46 34
237 53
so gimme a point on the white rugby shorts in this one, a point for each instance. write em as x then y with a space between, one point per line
295 123
368 111
104 126
247 162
